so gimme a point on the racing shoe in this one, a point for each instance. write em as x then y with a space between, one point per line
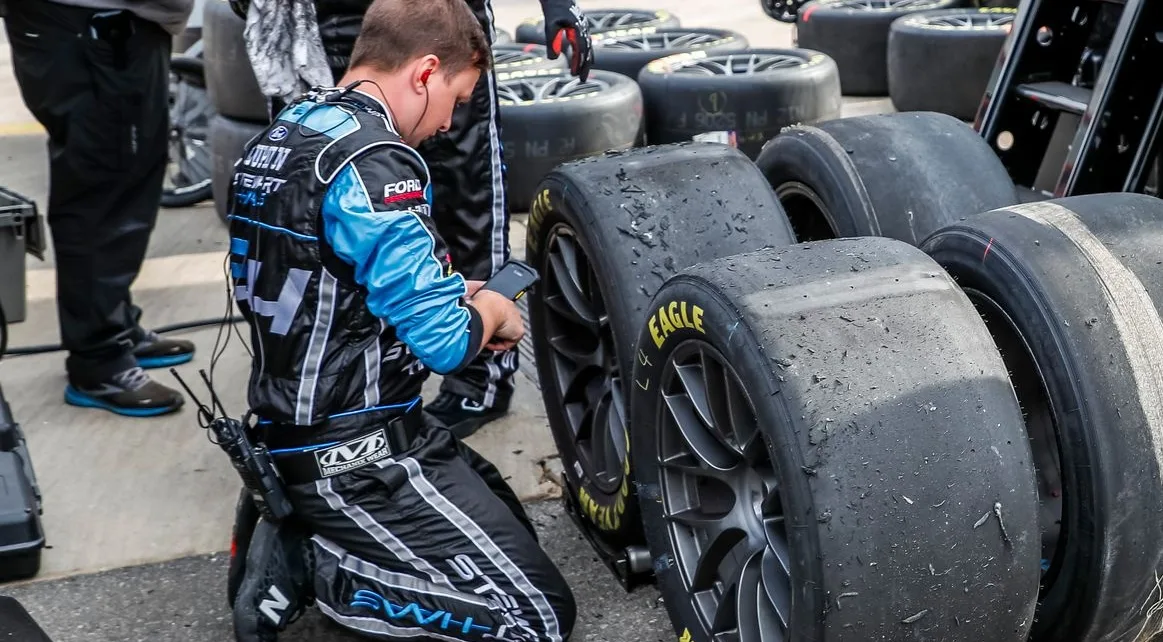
245 520
154 351
464 416
276 586
131 393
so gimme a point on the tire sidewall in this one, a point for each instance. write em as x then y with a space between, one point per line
615 514
743 352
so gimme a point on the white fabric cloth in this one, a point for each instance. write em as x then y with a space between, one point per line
284 47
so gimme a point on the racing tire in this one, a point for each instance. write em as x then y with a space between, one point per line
1071 290
901 175
532 30
741 99
228 137
942 61
832 422
627 51
604 233
508 58
855 34
230 80
549 117
189 150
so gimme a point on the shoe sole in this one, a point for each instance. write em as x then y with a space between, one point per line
468 427
149 363
74 397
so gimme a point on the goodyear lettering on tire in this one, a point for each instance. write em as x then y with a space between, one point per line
608 518
674 316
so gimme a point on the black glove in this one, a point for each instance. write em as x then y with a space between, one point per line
564 22
240 7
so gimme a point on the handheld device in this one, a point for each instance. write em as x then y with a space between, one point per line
513 280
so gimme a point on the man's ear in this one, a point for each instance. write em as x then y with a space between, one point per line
428 66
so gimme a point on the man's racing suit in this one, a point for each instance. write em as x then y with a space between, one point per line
470 207
352 299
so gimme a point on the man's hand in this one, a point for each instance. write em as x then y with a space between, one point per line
564 23
503 327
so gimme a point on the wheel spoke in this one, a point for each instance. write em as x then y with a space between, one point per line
702 444
617 432
722 536
582 357
776 586
755 617
570 289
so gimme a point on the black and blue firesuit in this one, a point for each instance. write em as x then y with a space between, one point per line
351 301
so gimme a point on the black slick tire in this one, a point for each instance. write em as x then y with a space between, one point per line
549 117
230 80
942 60
835 418
897 175
227 139
855 34
626 221
1071 290
627 51
742 98
600 20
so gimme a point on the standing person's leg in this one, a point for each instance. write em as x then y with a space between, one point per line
104 105
471 210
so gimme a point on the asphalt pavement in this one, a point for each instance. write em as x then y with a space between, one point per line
183 600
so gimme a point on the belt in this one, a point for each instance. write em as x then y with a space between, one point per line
382 435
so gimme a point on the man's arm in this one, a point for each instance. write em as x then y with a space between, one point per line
376 217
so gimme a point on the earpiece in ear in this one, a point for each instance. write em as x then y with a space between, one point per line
424 76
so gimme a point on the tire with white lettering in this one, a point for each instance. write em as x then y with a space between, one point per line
942 60
1071 290
508 58
532 29
901 175
741 98
230 80
549 117
855 34
627 51
227 139
827 448
604 233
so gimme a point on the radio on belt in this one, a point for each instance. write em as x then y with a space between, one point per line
253 462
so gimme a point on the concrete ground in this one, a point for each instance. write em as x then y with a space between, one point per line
138 512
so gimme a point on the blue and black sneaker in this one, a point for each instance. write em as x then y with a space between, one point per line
154 351
276 586
130 392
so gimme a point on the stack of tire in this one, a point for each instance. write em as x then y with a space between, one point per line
855 389
926 55
242 110
654 81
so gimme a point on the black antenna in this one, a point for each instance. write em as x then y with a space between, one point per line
213 395
204 412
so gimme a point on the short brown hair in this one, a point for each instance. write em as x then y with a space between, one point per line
396 31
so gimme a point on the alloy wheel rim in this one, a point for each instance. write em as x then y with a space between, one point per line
608 20
662 40
744 64
584 361
887 5
721 500
547 88
968 21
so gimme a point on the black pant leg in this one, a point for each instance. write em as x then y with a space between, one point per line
107 117
418 544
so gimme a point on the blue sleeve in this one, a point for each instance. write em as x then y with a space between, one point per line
377 217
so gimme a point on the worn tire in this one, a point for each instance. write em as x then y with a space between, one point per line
230 80
877 397
508 58
635 217
532 30
627 51
857 38
936 64
539 134
1071 289
227 138
741 109
898 175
